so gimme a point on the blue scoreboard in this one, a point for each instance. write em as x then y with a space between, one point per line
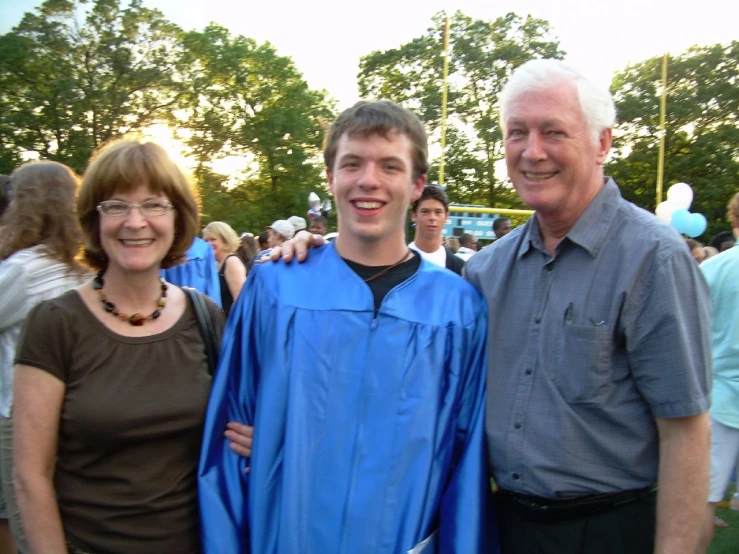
478 225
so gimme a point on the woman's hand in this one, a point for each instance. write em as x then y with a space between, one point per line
241 437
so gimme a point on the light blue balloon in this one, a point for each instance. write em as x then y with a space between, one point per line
681 221
697 225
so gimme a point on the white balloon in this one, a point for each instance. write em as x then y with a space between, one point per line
664 211
681 195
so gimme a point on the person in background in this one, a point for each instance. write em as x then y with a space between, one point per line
722 274
39 241
467 247
262 241
452 244
501 227
112 378
199 271
231 270
723 240
430 213
697 250
247 250
319 225
280 231
298 223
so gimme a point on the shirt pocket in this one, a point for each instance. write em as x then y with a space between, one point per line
582 371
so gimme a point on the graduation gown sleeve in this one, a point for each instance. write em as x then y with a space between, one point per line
223 483
467 522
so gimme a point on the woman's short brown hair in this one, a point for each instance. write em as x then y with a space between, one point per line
123 166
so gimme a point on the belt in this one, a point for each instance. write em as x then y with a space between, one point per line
536 508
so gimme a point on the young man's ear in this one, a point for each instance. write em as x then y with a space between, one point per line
330 179
418 185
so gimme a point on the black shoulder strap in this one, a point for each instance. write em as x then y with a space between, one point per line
206 327
455 263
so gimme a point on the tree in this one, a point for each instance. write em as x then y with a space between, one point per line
248 101
70 84
483 55
702 129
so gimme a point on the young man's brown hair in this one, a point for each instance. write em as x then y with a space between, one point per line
382 118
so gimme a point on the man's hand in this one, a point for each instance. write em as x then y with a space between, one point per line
241 437
297 247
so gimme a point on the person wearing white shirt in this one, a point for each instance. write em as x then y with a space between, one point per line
467 247
430 213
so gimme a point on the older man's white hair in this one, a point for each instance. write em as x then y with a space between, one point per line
596 102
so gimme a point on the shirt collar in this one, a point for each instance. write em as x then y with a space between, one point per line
591 229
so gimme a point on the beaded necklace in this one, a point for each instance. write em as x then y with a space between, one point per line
137 320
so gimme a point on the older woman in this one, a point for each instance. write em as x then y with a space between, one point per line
224 241
38 244
112 378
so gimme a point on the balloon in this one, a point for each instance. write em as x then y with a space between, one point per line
681 221
697 225
664 211
681 195
313 200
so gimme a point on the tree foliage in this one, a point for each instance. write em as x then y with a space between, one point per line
74 75
245 100
702 129
483 55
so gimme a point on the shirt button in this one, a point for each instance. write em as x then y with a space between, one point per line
528 372
550 267
516 476
517 425
537 320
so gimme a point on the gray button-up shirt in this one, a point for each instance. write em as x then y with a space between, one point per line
588 346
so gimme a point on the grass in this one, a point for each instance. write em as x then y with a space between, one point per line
726 539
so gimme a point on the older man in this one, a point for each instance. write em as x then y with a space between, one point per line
599 339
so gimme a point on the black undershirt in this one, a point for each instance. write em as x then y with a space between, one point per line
385 283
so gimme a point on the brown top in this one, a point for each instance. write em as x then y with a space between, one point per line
130 429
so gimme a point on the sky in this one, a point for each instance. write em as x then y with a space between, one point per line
326 38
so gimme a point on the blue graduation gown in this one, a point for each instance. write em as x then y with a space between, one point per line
368 427
199 272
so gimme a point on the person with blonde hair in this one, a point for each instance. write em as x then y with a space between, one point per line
39 242
112 378
231 270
